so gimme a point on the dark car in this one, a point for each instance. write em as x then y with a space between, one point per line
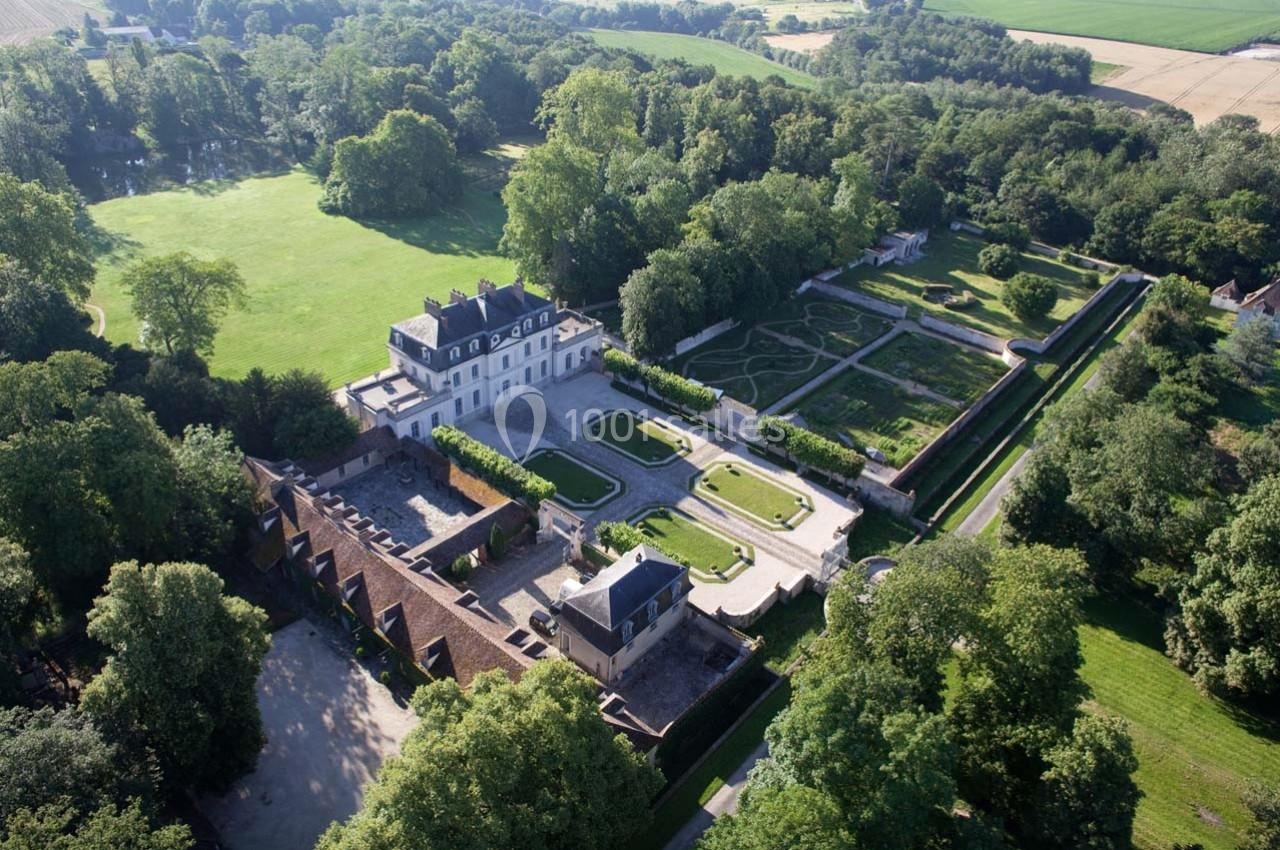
543 623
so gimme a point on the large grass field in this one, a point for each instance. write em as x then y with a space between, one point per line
726 58
874 412
1208 25
322 289
955 371
952 258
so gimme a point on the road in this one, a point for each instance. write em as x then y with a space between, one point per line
980 517
723 802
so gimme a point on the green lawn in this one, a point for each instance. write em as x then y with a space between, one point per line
878 532
751 366
826 324
788 628
726 58
644 440
1249 407
1100 72
1207 25
753 496
576 484
710 556
955 371
874 412
1194 753
322 289
952 258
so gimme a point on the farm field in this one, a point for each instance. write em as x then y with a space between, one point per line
753 496
952 259
1204 85
1205 25
952 370
726 58
23 21
322 289
872 412
710 556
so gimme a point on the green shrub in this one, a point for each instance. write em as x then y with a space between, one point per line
999 260
669 385
1093 280
813 450
621 538
1029 296
497 542
461 567
385 677
1010 234
493 466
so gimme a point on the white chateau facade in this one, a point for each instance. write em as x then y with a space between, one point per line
451 362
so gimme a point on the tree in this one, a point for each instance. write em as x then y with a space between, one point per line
38 231
182 671
921 202
999 260
1087 796
505 765
1126 370
661 304
108 828
592 109
1227 631
216 501
1263 802
1028 296
791 818
180 300
1250 348
406 166
37 318
62 758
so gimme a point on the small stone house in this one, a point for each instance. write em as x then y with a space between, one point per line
1250 305
899 246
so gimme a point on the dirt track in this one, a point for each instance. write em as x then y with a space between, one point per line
1205 84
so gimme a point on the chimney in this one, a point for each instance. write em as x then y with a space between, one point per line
485 287
517 286
456 297
432 306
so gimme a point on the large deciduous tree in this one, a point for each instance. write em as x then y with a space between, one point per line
505 766
108 828
593 109
661 303
180 679
180 300
38 231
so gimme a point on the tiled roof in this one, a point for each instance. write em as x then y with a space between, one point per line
1230 290
381 439
1267 298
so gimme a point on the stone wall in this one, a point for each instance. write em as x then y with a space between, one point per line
866 302
705 335
969 336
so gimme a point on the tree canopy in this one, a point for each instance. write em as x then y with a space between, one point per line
180 300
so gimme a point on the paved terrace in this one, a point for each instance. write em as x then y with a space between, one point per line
782 558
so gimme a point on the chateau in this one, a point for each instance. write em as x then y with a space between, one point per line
451 362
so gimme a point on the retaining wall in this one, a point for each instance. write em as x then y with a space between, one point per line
866 302
884 496
705 335
976 338
1043 345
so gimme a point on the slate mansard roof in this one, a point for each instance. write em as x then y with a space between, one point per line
495 310
621 592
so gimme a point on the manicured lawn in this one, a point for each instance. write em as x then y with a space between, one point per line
751 366
878 533
644 440
726 58
874 412
1195 754
952 259
954 371
576 484
752 495
706 553
787 628
1207 25
322 289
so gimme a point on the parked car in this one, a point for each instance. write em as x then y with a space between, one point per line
543 623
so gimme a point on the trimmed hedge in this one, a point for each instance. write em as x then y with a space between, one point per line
622 538
813 450
669 385
493 466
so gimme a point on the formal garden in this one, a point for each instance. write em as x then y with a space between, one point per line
950 264
648 442
579 485
710 555
864 410
955 371
752 495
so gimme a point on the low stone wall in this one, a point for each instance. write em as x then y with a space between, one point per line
998 389
780 592
969 336
705 335
884 496
866 302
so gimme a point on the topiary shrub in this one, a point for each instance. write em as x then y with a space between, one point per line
999 260
493 466
1029 296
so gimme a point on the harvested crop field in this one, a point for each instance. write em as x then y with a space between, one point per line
1205 84
22 21
801 42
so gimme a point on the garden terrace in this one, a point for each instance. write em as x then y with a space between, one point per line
955 371
578 484
951 259
752 495
648 442
710 556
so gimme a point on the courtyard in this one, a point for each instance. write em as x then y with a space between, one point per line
951 259
404 501
329 726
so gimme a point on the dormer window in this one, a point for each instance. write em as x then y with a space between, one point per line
652 610
455 353
628 630
544 318
495 339
426 353
515 331
475 346
528 325
399 338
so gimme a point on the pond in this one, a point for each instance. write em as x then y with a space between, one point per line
100 178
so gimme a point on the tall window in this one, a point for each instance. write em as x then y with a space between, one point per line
475 370
652 610
544 368
457 379
506 362
455 353
414 430
528 349
627 631
544 343
457 407
435 419
475 398
528 374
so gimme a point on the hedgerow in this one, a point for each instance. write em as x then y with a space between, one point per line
813 450
669 385
621 538
493 466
